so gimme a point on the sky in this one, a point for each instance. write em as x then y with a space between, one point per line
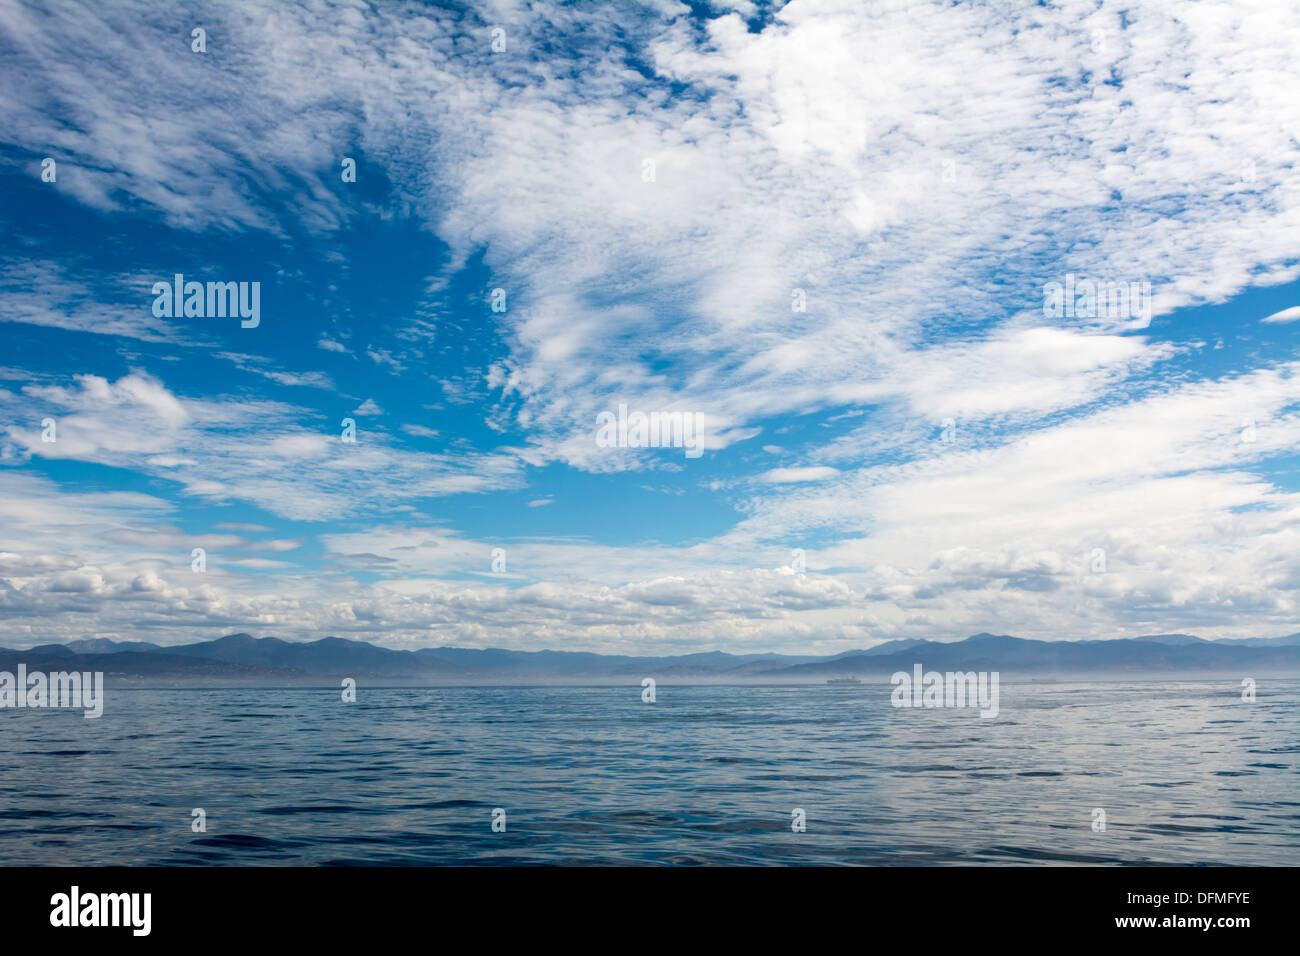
837 237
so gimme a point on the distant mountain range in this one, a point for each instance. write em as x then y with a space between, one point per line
244 658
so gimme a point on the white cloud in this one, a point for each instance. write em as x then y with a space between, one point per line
41 293
420 431
237 449
1286 315
787 475
795 160
261 366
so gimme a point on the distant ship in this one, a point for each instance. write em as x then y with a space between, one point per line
844 680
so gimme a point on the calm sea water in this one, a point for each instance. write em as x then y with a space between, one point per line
1186 773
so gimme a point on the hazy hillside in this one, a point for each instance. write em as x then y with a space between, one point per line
240 657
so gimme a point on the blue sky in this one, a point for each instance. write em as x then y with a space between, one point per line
922 450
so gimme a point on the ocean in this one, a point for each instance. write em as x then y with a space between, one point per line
1184 772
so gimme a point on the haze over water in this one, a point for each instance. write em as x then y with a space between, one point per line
1186 772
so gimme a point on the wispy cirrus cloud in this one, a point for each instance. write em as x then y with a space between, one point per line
235 449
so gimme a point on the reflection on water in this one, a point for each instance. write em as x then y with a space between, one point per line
1185 771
